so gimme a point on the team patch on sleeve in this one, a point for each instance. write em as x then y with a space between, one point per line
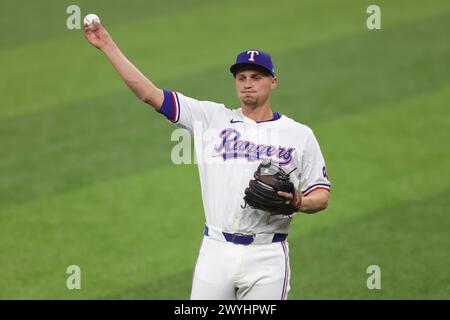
324 172
316 186
171 106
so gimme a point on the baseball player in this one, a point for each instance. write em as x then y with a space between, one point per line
244 251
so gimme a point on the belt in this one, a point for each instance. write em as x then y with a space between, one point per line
245 239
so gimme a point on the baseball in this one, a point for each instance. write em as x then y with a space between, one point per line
89 19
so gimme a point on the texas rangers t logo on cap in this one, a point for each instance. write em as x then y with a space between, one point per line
252 54
253 57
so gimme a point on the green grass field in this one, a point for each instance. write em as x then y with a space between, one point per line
85 170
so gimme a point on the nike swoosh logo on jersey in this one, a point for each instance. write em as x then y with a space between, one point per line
235 121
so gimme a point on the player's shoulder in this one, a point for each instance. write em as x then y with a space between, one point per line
204 103
296 126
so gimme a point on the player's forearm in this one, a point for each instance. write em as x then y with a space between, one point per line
315 202
141 86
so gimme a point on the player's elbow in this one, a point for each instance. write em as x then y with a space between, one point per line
324 204
146 100
320 206
154 98
144 97
322 197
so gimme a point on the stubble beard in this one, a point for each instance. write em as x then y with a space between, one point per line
250 102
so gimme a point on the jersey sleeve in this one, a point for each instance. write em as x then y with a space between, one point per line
185 112
313 170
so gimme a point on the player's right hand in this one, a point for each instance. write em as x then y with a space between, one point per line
294 200
98 37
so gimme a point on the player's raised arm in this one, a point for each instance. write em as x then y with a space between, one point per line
142 87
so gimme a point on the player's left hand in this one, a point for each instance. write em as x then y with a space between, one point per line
294 200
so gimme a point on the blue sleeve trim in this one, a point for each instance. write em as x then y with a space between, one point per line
170 106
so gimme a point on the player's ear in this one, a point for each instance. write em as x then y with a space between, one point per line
274 82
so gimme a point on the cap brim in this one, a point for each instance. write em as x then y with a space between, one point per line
237 66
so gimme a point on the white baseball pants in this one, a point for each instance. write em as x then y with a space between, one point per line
229 271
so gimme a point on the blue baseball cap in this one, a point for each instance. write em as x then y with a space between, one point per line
253 57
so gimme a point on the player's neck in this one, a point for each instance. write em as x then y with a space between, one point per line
258 113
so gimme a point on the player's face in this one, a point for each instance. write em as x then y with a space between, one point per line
253 87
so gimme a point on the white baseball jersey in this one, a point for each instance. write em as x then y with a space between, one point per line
228 148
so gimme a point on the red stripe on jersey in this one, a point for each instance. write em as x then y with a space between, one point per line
316 188
175 107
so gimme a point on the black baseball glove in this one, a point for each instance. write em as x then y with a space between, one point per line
262 191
